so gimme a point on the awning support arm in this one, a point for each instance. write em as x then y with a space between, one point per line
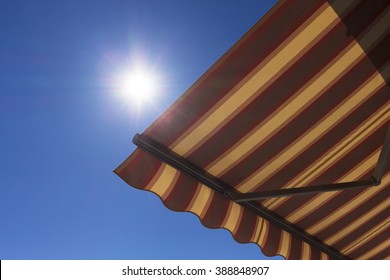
304 190
383 158
375 180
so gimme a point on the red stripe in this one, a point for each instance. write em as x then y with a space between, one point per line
182 193
296 248
134 172
246 227
272 242
216 212
315 253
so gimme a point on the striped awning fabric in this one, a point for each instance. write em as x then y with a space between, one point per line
303 99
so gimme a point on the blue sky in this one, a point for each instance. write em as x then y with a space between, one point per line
63 128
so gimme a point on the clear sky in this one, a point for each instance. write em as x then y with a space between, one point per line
64 128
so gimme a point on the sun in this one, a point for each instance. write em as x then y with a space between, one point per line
138 86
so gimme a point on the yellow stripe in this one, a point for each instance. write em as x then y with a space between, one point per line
293 150
285 244
324 256
274 68
369 235
201 201
193 198
342 211
306 249
263 232
256 231
376 250
165 179
233 217
332 156
368 164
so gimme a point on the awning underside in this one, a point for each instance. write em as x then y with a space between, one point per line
302 99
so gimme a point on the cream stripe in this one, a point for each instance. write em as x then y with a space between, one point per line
376 250
201 201
332 156
324 256
239 220
294 149
233 217
164 181
285 244
256 231
368 164
369 235
274 68
306 249
358 222
171 186
353 204
263 232
194 197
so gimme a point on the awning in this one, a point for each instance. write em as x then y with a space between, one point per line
285 140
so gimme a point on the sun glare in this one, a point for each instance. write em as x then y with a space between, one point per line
138 86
